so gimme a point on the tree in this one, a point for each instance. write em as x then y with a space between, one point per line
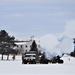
72 54
6 43
34 46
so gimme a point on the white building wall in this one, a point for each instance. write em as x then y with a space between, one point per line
28 46
22 47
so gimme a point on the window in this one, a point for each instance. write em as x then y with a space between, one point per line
26 45
26 50
21 46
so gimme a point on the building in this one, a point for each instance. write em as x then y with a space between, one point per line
24 46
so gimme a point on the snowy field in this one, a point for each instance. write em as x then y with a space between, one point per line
17 68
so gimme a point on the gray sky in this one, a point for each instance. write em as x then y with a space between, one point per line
24 18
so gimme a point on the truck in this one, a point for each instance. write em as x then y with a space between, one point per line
29 57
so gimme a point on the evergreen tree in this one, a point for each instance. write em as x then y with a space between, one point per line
6 43
34 46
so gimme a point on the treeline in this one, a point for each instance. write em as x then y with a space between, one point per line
6 44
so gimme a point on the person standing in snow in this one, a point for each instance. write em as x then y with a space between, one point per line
13 57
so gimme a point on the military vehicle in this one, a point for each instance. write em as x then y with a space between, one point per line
29 57
56 59
32 57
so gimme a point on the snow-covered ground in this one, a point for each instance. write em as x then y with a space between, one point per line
17 68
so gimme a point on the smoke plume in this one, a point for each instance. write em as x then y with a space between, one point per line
70 29
53 47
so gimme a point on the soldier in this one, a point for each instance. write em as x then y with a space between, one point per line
13 57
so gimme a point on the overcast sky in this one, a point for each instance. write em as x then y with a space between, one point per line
25 18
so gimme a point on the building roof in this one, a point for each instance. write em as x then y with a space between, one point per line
20 43
25 42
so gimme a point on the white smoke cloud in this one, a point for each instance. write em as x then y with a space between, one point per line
48 41
66 46
70 29
52 46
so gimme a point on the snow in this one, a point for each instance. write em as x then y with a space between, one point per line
16 67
